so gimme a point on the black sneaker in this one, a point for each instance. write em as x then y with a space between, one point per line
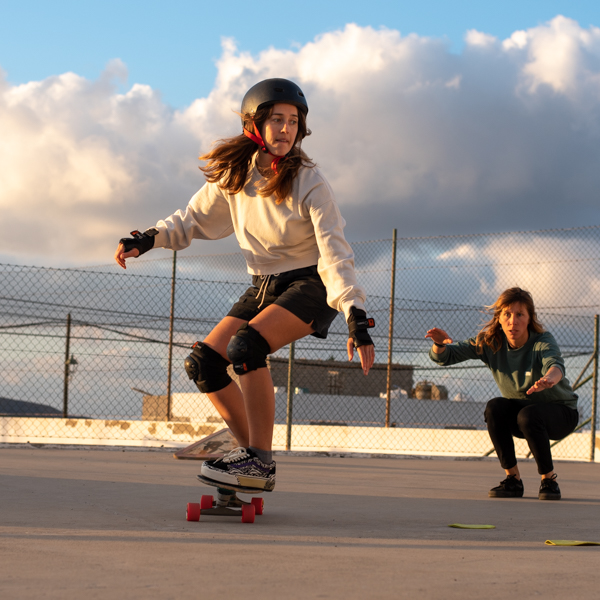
549 489
511 487
241 467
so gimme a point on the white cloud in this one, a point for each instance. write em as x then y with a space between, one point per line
504 136
560 269
558 272
461 252
78 160
479 38
518 40
563 56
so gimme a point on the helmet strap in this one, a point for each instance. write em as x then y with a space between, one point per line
257 138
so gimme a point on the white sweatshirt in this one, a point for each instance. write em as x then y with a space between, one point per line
306 229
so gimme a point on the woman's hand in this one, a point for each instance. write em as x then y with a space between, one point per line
366 354
121 255
552 377
438 336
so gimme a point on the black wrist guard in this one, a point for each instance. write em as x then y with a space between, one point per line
358 323
142 241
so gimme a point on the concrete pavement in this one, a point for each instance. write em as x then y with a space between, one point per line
92 523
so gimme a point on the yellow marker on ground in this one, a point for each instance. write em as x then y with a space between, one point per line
463 526
570 543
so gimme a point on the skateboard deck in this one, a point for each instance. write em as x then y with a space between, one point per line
228 486
213 446
207 506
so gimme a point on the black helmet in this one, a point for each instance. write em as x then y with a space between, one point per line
272 91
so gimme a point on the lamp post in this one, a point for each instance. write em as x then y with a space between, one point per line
70 369
72 365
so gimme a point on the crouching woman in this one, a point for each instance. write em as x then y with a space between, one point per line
536 403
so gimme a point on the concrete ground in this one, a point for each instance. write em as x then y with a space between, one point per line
92 523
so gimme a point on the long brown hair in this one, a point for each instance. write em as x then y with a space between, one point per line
491 333
229 160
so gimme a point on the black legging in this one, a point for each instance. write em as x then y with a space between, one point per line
537 423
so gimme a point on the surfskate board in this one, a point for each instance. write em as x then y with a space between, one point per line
213 446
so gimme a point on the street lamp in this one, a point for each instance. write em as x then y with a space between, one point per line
70 368
71 365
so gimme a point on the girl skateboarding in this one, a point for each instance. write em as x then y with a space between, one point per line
262 187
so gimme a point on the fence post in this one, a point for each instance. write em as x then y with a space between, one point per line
388 388
66 366
290 398
171 322
594 392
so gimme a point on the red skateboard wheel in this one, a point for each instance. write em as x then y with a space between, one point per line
193 511
259 505
248 513
206 502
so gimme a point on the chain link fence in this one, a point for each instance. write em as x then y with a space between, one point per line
97 353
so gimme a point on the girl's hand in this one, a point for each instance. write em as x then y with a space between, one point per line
121 255
438 336
366 354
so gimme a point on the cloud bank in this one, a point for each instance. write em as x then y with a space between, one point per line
504 136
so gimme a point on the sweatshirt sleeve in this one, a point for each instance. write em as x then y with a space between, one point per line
457 353
547 348
336 258
207 217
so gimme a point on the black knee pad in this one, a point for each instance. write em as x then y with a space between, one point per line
247 350
207 368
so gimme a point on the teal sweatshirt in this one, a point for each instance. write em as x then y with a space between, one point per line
515 371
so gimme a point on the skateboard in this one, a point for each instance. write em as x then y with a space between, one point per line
213 446
226 505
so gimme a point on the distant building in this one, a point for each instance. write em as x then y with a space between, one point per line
334 378
426 390
338 378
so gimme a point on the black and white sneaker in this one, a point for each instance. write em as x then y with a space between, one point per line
511 487
242 468
549 489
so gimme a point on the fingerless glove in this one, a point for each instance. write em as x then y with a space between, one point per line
358 323
142 241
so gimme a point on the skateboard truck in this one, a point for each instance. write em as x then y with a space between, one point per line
226 505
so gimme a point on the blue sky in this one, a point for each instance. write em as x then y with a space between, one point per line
172 46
